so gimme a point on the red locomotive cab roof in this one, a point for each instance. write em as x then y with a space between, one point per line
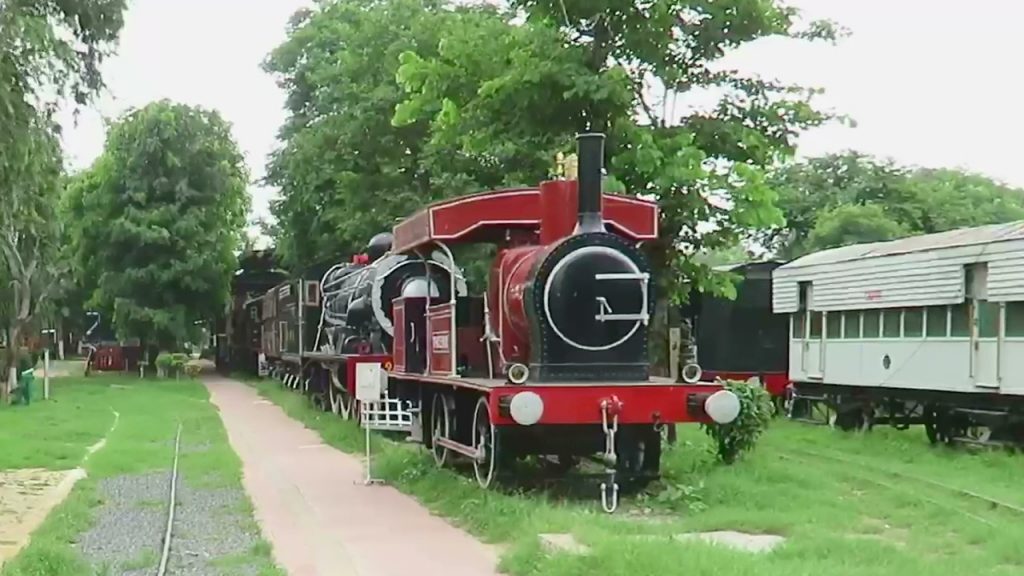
487 215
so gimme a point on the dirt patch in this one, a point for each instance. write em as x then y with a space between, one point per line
26 497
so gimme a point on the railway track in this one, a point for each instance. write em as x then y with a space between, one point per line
171 504
864 471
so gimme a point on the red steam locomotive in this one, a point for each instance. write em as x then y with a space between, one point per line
550 360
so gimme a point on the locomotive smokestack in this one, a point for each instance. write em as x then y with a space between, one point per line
590 150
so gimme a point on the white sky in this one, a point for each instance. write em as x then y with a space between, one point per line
929 82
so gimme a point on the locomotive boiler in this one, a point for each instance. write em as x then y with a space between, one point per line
357 316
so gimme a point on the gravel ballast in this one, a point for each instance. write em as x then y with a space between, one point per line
213 531
129 527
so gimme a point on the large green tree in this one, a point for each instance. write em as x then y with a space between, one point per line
617 66
163 212
344 172
620 67
50 50
848 198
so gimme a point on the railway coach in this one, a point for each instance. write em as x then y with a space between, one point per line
742 339
927 330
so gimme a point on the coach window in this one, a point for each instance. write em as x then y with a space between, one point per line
1015 319
815 332
937 322
988 319
872 322
960 321
913 322
833 326
891 323
851 324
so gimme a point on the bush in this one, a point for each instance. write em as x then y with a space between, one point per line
740 435
192 369
168 364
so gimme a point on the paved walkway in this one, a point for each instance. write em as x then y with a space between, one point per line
317 514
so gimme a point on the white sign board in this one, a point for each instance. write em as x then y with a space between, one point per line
263 368
370 381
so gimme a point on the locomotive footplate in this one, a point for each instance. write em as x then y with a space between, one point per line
658 401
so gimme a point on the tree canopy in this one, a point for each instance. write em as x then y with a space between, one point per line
395 103
344 172
849 198
49 50
160 215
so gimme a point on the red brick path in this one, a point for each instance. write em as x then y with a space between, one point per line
316 513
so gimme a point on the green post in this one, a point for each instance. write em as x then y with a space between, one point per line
25 385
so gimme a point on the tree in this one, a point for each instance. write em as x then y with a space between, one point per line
848 198
585 65
49 50
29 233
344 172
853 224
164 211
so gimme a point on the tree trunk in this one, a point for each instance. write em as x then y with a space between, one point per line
13 347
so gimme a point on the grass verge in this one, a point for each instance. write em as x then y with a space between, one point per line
56 433
846 519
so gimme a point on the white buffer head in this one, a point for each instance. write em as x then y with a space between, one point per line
723 406
526 408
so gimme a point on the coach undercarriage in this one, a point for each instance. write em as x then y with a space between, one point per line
947 417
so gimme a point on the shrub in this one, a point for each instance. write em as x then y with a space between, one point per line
169 364
740 435
192 369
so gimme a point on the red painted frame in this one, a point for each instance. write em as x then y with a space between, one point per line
774 382
635 403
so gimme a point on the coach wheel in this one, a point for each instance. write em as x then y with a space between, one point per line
440 427
485 440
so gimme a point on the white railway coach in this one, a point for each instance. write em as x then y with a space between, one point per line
924 330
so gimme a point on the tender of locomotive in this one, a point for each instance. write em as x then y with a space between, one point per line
742 339
925 330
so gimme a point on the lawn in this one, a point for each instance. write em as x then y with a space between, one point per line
831 494
56 433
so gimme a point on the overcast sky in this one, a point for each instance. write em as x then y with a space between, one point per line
929 82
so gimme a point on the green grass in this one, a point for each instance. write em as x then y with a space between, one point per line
838 518
56 433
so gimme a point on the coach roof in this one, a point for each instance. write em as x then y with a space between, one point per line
950 239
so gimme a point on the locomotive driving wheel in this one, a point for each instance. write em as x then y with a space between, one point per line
485 440
440 427
340 399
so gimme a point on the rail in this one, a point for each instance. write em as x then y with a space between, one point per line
172 502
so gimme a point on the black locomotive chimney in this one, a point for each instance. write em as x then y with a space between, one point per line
590 150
